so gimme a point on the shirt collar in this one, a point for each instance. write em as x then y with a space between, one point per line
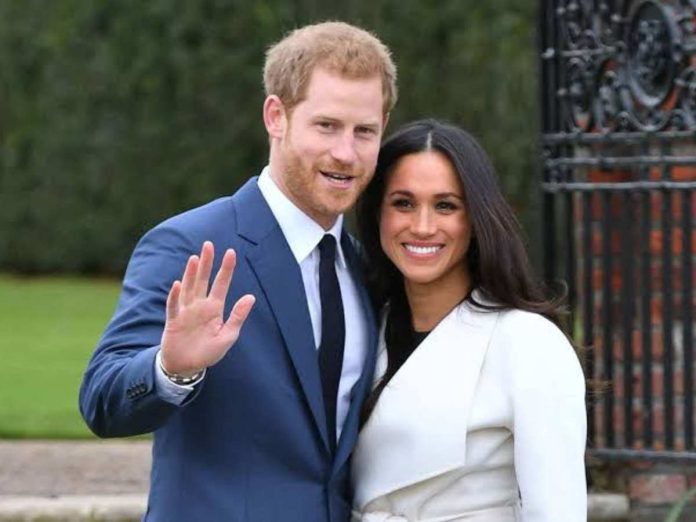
301 232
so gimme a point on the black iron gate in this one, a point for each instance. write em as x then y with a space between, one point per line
619 162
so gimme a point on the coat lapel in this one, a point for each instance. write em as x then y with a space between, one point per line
362 387
424 411
279 276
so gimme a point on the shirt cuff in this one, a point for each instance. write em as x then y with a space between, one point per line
169 391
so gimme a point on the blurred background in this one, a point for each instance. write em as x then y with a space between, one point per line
117 114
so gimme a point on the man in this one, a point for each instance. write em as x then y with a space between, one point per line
257 423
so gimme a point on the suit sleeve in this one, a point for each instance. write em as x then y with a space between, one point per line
549 422
119 396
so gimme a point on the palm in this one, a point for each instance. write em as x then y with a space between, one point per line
199 327
196 334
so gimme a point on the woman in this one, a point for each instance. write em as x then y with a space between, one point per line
478 411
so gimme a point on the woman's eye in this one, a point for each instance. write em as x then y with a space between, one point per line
446 205
401 203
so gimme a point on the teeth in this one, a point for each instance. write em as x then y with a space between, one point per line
337 176
422 250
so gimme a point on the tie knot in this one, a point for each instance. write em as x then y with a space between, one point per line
327 248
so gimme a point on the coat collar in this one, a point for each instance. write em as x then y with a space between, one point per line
424 411
302 233
279 275
280 278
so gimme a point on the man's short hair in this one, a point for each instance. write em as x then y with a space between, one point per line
335 46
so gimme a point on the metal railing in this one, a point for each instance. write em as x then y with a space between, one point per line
619 164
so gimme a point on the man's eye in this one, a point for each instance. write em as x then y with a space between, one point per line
368 131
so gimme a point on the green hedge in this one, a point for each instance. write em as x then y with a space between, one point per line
116 114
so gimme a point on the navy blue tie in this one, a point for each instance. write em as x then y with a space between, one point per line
333 332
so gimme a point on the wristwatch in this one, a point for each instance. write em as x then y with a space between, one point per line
182 380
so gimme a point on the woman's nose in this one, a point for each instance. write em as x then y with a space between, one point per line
423 223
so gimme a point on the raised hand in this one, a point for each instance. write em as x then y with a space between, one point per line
196 335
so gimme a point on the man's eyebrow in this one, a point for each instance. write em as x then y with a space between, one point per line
323 117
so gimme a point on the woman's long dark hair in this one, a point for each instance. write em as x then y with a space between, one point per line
497 259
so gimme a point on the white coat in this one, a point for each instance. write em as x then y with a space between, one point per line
485 421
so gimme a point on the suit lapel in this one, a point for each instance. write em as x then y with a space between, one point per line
424 410
280 278
362 387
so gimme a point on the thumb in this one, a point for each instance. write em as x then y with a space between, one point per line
240 312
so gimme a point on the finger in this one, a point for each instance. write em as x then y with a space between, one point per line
240 311
189 280
205 267
224 276
173 301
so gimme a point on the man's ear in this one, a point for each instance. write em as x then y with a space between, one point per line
274 117
385 122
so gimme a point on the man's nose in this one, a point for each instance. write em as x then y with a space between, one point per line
343 150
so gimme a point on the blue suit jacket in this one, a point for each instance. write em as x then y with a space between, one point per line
250 443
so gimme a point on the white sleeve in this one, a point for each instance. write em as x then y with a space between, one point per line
549 424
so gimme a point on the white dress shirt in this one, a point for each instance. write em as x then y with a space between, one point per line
303 236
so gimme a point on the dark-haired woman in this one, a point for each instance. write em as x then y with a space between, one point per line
478 410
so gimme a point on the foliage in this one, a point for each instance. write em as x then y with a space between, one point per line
116 114
48 330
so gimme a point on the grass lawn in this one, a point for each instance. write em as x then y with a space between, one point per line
48 329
